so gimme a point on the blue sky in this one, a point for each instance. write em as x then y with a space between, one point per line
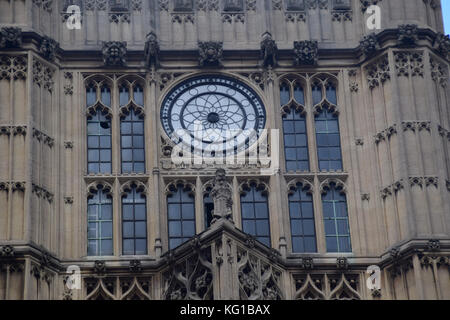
446 12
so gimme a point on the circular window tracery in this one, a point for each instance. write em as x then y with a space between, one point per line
216 112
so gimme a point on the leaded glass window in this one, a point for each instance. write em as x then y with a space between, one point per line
328 140
335 215
301 211
181 215
255 214
134 222
100 223
99 143
132 143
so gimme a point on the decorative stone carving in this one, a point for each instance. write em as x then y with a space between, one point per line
367 3
136 5
439 72
408 34
258 280
269 50
135 266
68 85
114 53
369 44
163 5
378 72
442 44
306 52
43 75
43 193
13 67
7 251
99 267
211 53
44 4
342 263
342 15
434 245
221 194
42 137
10 37
409 63
152 51
190 279
307 263
48 48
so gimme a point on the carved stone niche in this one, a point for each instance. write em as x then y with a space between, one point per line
183 6
342 5
295 5
119 5
234 5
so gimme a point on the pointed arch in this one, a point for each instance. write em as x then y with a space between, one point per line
128 186
100 292
302 183
344 291
327 184
135 291
309 291
94 187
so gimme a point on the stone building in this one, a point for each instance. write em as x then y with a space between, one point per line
350 181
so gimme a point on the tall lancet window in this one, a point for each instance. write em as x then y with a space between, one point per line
100 221
181 214
99 144
255 211
294 126
132 128
327 127
134 220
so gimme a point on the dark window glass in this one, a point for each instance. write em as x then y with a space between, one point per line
337 229
181 216
91 95
106 96
285 94
134 223
99 143
316 93
138 95
255 215
133 143
331 93
328 141
301 212
295 141
299 94
208 204
100 226
124 95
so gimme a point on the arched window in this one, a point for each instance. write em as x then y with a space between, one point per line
255 212
181 215
100 222
99 142
301 211
132 142
134 222
335 215
328 140
294 125
295 141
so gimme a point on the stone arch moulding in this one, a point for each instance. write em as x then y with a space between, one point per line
94 187
127 186
326 185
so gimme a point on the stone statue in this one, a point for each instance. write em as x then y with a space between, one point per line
221 194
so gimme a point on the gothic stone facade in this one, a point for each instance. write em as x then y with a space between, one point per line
388 88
